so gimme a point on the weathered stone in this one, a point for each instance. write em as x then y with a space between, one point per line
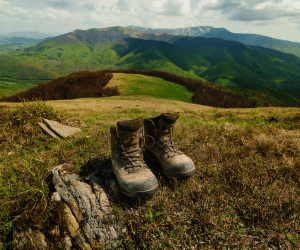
86 220
61 130
74 228
67 242
33 239
55 197
47 130
275 119
90 206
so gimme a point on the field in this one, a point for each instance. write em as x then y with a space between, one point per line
149 86
244 195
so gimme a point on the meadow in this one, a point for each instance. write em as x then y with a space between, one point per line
244 195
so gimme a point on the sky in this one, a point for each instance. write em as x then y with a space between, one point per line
275 18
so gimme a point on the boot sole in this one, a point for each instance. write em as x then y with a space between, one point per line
141 194
182 176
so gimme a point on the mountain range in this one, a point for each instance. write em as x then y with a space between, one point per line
231 64
222 33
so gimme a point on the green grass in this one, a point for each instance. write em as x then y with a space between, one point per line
245 190
10 88
139 85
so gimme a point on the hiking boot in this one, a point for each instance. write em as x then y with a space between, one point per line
134 177
174 163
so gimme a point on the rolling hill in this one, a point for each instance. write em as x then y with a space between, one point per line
227 63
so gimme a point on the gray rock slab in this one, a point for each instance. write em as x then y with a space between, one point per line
90 206
59 129
47 130
87 219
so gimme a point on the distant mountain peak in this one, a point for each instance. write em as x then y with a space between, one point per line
222 33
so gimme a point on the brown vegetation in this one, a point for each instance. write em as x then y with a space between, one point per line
207 93
76 85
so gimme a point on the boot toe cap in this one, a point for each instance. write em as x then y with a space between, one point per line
182 170
142 188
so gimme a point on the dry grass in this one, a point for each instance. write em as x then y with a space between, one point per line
245 194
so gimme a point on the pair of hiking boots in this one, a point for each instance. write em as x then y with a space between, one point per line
134 177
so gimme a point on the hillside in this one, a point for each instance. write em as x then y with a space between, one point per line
151 83
227 63
244 193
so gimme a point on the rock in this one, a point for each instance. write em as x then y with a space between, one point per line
114 187
47 130
275 119
90 206
34 239
87 219
59 129
55 197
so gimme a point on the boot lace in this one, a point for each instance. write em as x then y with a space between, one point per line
134 155
168 145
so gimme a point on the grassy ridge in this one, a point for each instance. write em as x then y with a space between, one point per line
140 85
245 192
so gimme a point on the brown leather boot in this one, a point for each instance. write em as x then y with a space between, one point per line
174 163
134 177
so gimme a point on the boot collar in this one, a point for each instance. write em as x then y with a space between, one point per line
165 124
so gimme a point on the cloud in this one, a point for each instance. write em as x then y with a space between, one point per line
254 10
167 7
59 4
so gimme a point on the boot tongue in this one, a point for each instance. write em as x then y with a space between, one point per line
169 118
129 132
130 125
130 139
165 123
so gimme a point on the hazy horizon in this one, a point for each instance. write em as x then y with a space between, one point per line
274 18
